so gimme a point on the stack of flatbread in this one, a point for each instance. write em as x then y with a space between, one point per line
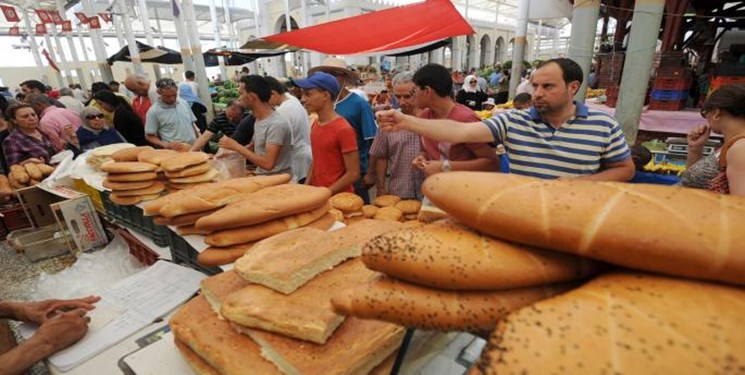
132 182
188 170
101 155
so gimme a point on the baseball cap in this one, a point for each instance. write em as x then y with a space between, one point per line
319 80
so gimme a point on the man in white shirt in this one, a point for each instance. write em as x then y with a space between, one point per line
69 102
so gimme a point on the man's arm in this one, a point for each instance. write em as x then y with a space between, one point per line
439 130
368 180
154 140
201 141
381 168
309 178
265 162
351 174
621 171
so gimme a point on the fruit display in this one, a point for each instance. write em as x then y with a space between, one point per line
664 167
594 93
507 105
227 92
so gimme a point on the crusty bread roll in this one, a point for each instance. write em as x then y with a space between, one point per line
155 188
181 220
45 169
211 196
672 230
18 173
5 189
196 362
131 185
369 211
346 202
155 156
275 263
409 206
129 154
410 305
386 200
337 214
266 204
208 176
128 167
215 341
263 230
220 256
305 314
33 171
183 160
389 213
631 323
448 255
357 347
130 177
189 171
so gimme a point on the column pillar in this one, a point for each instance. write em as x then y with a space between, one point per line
183 39
582 41
53 56
518 48
218 37
196 50
145 18
134 50
98 47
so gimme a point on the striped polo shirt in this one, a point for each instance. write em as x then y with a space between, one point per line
579 147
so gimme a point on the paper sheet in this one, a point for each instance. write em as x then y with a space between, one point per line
130 305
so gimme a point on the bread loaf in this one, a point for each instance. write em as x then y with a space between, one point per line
263 230
196 362
125 201
215 341
14 184
132 185
288 260
155 188
5 189
128 167
448 255
129 154
183 160
181 220
216 288
33 171
671 230
208 176
46 170
409 206
185 230
324 223
19 174
305 314
155 156
389 213
369 211
130 177
346 202
210 196
193 170
266 204
220 256
410 305
631 323
386 200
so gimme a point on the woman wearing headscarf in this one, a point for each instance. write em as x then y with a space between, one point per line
470 95
197 106
94 132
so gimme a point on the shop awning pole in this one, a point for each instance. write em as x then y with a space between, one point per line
582 41
518 47
134 51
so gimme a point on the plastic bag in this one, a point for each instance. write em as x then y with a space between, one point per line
229 164
90 274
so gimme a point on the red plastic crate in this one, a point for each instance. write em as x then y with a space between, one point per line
611 102
659 105
674 72
718 82
672 84
137 248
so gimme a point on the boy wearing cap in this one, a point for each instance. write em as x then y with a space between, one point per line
336 163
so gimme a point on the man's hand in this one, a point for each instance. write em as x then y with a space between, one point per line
69 132
432 167
368 180
419 162
697 137
229 143
390 120
40 312
63 330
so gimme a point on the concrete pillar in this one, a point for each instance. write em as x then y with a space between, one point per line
637 69
518 49
218 37
183 39
98 47
53 56
95 74
71 44
32 39
196 50
474 52
582 41
134 51
61 53
145 18
119 28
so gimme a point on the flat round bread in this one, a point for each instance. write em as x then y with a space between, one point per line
204 177
155 156
409 206
109 150
386 200
369 211
193 170
130 154
134 185
346 202
389 213
155 188
183 161
130 177
124 201
149 197
128 167
177 187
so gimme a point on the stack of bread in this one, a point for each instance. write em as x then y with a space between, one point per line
673 313
386 207
278 318
132 182
188 170
28 174
104 154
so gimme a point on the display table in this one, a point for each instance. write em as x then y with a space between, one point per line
675 122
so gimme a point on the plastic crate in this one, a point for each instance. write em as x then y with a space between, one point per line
669 95
611 102
184 254
674 72
718 82
81 186
137 248
667 105
14 217
671 84
135 218
654 178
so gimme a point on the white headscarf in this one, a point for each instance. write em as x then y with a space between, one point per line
467 84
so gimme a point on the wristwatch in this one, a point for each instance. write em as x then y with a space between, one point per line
446 166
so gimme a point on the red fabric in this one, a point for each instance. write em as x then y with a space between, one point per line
329 143
383 30
456 152
140 105
10 13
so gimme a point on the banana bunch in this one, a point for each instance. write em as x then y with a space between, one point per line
664 168
594 93
507 105
485 114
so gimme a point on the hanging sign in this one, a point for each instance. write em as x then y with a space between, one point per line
43 16
67 26
82 17
56 18
41 29
14 31
10 13
105 17
94 23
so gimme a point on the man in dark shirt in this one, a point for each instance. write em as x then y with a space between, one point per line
224 123
244 133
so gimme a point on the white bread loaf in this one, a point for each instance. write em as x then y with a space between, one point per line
449 255
631 323
671 230
210 196
196 362
411 305
215 341
217 287
305 314
266 204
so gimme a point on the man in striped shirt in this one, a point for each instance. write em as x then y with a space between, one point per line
556 138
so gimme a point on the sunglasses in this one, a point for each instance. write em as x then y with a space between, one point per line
165 82
91 117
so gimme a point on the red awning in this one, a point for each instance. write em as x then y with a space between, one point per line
381 31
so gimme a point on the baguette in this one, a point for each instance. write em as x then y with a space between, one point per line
33 171
185 230
263 230
211 196
631 323
671 230
410 305
181 220
266 204
220 256
19 174
448 255
129 177
5 189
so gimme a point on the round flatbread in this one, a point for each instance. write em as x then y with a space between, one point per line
193 170
130 154
204 177
369 211
130 177
128 167
389 213
155 156
124 201
149 197
183 161
386 200
134 185
409 206
346 202
155 188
